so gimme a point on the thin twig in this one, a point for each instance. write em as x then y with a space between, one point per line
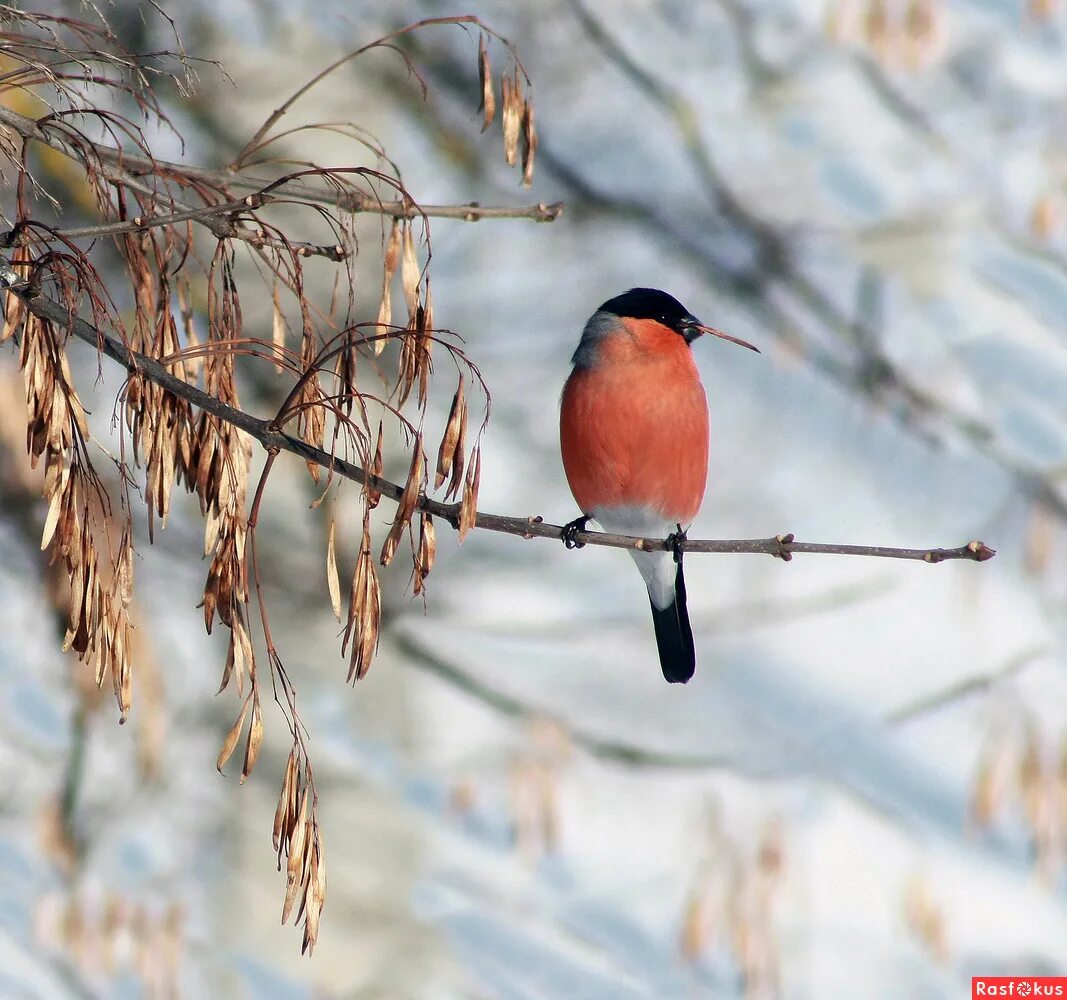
130 164
964 688
782 546
604 748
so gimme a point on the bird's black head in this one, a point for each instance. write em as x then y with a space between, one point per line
651 303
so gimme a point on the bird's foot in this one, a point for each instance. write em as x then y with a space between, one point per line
571 530
676 543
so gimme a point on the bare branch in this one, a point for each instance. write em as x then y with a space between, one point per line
781 546
964 688
601 747
126 165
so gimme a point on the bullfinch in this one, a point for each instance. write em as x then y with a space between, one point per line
634 439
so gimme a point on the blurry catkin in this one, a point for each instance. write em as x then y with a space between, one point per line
1042 10
697 920
924 917
839 23
990 783
1038 543
1046 216
921 31
1031 775
877 28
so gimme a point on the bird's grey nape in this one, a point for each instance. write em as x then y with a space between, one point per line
600 326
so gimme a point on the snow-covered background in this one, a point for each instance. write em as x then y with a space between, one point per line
863 792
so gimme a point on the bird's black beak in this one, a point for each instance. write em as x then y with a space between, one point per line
694 328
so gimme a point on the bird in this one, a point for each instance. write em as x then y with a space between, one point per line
634 442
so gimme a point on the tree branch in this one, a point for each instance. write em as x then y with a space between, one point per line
781 546
601 747
127 164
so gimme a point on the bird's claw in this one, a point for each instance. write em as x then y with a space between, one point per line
676 543
571 530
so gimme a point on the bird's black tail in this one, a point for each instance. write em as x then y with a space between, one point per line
674 636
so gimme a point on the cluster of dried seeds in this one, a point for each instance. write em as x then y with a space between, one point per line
732 904
298 838
78 512
115 935
151 214
1022 777
910 33
516 112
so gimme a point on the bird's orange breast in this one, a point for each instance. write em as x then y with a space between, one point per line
634 425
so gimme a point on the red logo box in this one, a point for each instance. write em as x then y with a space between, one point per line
1026 987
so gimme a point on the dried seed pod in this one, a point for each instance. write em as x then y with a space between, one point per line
315 896
485 81
377 467
370 620
529 143
409 270
364 611
468 512
51 520
297 848
385 307
424 346
405 508
345 370
286 803
229 744
457 418
332 579
121 671
458 457
231 657
277 329
427 551
14 307
255 737
511 112
406 366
